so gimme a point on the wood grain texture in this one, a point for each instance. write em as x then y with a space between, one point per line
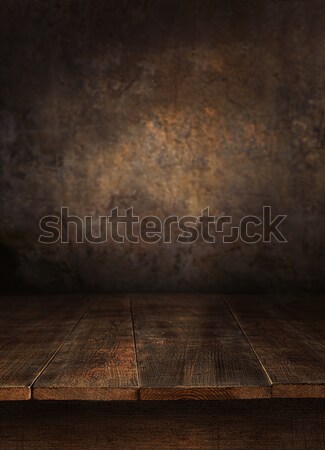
288 335
271 424
190 347
31 331
97 361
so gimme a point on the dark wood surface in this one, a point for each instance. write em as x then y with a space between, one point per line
97 361
273 424
288 335
190 347
161 347
31 331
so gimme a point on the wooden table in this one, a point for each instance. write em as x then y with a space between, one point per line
162 371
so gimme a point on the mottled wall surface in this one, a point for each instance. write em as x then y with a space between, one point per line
168 106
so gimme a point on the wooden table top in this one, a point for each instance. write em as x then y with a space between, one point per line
162 347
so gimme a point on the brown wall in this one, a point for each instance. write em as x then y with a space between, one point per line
168 106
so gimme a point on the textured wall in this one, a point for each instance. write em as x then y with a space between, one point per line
169 106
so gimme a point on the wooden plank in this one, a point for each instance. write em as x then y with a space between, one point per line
97 361
190 347
271 424
31 330
288 335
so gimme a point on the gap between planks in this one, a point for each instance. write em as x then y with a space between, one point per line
244 333
59 348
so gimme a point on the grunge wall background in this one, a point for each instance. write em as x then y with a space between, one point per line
168 106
